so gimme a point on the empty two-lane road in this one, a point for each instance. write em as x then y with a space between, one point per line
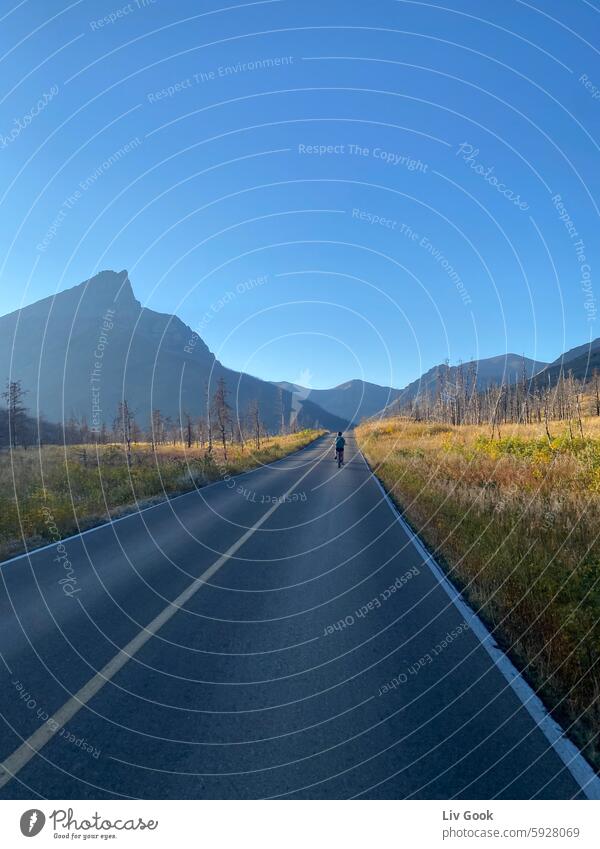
274 636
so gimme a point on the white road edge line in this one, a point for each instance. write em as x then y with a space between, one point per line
583 774
30 747
167 500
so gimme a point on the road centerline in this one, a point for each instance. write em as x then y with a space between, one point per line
15 762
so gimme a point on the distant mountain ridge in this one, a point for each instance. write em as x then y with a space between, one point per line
505 368
350 401
576 353
581 362
82 351
358 399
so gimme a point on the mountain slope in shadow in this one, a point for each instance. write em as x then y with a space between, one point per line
82 351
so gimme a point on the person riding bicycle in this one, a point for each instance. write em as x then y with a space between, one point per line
339 448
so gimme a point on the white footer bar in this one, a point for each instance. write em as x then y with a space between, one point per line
302 824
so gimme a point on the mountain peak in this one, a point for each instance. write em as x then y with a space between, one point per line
110 285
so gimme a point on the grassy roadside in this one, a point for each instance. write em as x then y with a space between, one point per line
63 489
516 523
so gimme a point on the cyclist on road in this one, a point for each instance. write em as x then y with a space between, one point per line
339 449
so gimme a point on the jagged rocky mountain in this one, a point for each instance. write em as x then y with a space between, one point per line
83 350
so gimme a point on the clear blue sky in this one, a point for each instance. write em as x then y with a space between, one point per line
203 116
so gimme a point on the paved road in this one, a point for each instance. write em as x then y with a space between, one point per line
319 658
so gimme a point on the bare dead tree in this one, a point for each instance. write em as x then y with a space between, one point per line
189 430
222 412
124 426
201 431
17 412
254 416
157 429
208 420
281 405
578 409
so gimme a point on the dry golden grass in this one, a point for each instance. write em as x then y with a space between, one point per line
516 521
68 488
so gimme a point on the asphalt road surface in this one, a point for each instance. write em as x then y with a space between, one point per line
273 636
